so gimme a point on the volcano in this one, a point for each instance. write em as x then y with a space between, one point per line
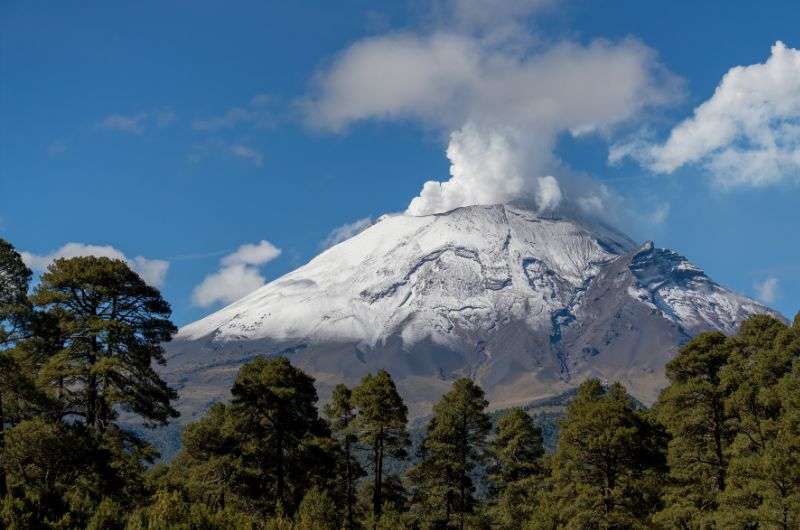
528 305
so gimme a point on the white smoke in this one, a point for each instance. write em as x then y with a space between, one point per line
503 101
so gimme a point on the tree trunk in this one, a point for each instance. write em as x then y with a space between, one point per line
349 485
279 469
2 449
718 449
462 474
377 497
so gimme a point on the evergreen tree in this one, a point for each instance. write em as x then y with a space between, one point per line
518 470
57 475
341 416
274 405
609 463
381 426
317 511
692 408
763 475
114 326
454 446
14 280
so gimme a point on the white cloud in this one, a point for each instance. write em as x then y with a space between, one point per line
152 271
346 231
503 101
767 290
746 134
257 114
56 148
490 13
138 123
120 123
247 153
252 254
238 275
202 150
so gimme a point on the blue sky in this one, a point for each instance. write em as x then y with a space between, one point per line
181 131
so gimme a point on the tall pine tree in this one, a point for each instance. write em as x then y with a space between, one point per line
609 463
274 404
518 471
692 408
341 415
114 327
380 424
454 446
762 479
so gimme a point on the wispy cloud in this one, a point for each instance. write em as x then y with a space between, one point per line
152 271
239 274
247 153
257 114
56 148
121 123
138 123
202 150
768 289
346 231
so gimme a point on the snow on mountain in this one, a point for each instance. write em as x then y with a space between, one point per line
527 305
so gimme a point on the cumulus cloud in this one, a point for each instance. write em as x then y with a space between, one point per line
346 231
503 101
767 290
746 134
152 271
238 275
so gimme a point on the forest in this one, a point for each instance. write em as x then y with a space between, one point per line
720 448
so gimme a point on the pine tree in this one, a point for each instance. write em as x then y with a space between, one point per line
341 416
763 475
380 424
15 278
454 446
518 469
692 408
114 326
609 462
274 404
15 384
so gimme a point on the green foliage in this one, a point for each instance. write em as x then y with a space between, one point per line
282 437
518 470
692 408
606 470
341 415
381 425
764 484
14 307
317 511
454 445
114 327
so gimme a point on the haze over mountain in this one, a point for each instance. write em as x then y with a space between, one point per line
528 305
